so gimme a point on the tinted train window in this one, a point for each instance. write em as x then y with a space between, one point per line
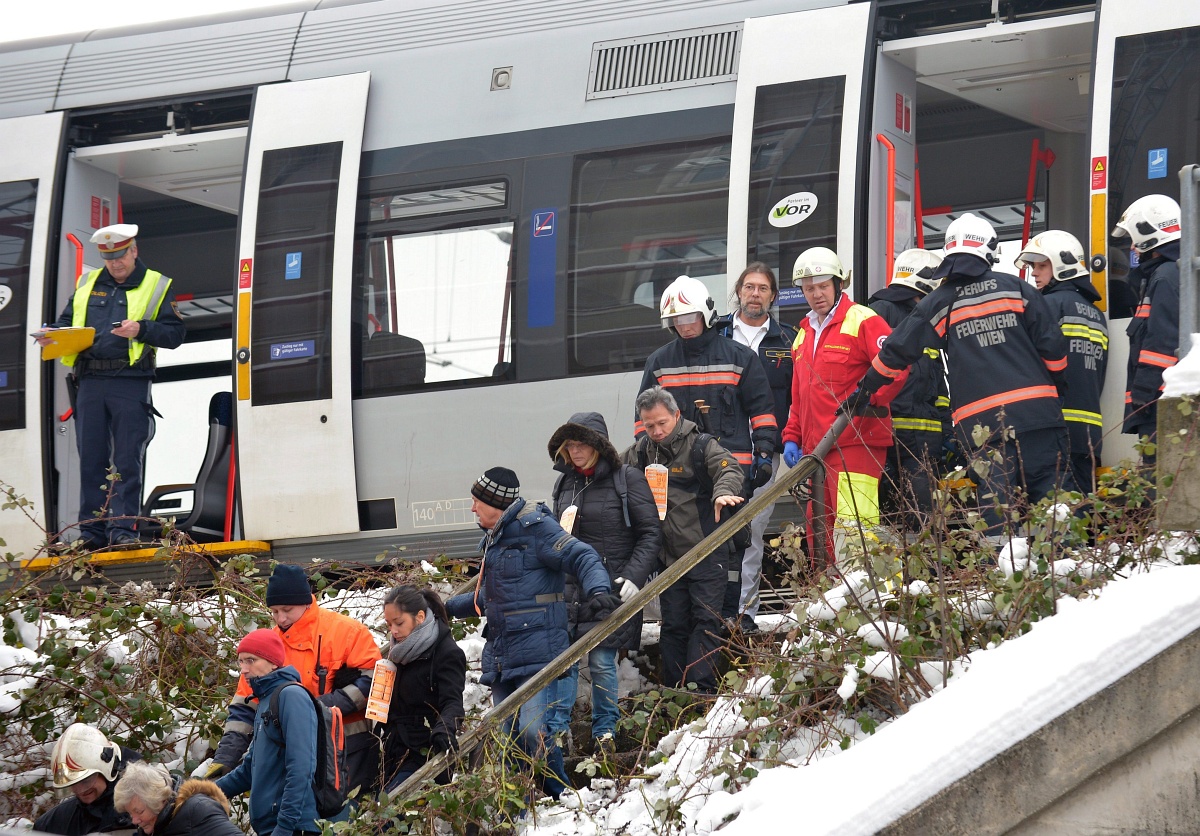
436 305
17 202
794 173
1156 96
639 219
293 275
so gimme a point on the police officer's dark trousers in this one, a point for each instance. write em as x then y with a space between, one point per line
113 425
690 636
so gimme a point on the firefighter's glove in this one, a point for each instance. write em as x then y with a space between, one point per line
761 472
626 589
792 453
858 403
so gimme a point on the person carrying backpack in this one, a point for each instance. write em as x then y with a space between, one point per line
697 492
278 767
614 513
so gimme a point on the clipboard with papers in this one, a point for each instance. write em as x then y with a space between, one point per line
65 341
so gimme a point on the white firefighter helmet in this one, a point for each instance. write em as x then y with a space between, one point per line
83 751
914 268
685 296
1149 222
817 264
1064 251
971 234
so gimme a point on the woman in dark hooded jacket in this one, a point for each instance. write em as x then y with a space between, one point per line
607 505
431 673
161 806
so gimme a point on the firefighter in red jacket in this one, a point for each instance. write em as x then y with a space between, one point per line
1006 358
835 345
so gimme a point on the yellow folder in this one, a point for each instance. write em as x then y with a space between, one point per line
66 341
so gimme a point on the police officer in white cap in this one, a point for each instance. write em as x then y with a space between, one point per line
133 312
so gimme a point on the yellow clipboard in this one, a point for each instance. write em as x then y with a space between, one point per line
67 341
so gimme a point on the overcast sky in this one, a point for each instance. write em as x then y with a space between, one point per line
37 20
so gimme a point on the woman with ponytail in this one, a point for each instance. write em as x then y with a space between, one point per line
431 672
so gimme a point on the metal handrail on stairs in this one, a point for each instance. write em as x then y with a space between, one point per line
806 467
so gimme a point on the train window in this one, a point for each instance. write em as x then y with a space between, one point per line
793 203
1156 95
18 199
436 308
444 201
639 218
292 317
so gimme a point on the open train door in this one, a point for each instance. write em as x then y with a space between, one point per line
30 153
798 158
1146 83
295 440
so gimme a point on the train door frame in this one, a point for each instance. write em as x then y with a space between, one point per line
295 444
1115 21
821 37
32 153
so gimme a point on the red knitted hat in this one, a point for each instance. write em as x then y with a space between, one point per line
265 644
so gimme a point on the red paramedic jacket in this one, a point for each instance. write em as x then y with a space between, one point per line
823 379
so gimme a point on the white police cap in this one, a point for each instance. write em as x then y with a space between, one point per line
112 241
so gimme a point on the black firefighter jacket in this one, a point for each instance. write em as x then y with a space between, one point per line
1086 330
1003 348
923 403
775 352
730 380
1153 336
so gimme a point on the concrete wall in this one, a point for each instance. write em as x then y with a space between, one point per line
1125 761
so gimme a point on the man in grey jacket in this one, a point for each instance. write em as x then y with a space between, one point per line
701 482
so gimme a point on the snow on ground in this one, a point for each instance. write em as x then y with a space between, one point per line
1184 377
1004 694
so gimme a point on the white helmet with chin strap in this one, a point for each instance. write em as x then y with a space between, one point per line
1062 249
971 234
914 268
83 751
686 296
1150 222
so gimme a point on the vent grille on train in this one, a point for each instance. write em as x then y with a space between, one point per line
664 62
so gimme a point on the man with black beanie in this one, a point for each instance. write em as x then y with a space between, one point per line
520 588
341 676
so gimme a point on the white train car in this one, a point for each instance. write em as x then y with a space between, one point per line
411 238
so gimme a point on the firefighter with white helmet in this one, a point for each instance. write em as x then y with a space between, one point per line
1152 225
89 764
1006 359
834 347
920 413
1059 268
720 386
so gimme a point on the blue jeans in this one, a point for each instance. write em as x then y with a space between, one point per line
602 662
530 727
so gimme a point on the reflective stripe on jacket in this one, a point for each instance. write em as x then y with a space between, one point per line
143 301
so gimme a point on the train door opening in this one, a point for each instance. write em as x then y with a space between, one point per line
175 169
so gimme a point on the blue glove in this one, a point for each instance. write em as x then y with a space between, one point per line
791 453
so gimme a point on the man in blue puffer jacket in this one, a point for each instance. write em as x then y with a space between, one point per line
526 556
282 758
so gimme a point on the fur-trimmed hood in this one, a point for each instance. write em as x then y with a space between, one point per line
195 786
588 428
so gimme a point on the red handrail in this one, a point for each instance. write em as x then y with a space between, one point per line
78 256
918 210
1046 158
230 485
889 248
